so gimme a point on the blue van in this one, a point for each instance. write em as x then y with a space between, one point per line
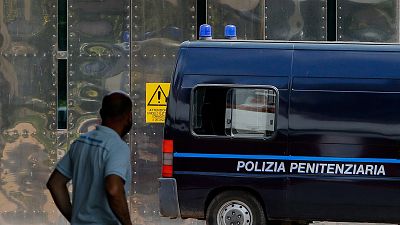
261 131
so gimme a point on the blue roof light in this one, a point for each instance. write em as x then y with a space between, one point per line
230 32
205 32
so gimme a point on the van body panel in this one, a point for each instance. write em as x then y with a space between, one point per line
194 202
337 129
176 79
345 104
346 64
344 199
203 67
344 116
232 62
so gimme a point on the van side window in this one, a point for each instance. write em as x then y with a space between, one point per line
234 111
209 110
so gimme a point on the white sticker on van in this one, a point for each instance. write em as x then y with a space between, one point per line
255 166
311 168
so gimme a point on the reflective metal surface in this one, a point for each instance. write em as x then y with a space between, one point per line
368 21
98 47
111 45
158 27
27 111
246 15
295 20
292 20
98 59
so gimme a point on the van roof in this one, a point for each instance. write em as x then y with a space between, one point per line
328 46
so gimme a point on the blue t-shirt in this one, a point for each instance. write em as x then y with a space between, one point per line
90 159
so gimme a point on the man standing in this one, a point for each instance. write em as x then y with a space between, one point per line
98 163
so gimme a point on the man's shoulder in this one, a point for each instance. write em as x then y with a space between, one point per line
91 137
107 140
116 143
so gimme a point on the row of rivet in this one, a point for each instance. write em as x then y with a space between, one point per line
71 124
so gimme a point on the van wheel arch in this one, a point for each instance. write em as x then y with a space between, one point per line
218 191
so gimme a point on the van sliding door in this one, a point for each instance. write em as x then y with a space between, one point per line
344 135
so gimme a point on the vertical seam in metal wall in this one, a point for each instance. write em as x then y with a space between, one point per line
263 21
201 15
130 92
134 72
325 22
336 20
68 75
397 19
67 70
332 20
55 70
206 12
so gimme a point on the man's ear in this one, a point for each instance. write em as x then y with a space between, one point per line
128 115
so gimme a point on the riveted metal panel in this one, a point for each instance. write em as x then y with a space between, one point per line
247 16
158 27
98 61
28 95
368 21
295 20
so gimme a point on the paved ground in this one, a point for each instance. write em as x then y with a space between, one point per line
338 223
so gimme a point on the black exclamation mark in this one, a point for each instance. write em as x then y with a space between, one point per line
159 97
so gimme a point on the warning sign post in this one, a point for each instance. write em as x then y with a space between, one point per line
156 102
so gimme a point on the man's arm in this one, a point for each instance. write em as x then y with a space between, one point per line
57 185
116 198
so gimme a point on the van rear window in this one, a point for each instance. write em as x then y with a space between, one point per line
234 111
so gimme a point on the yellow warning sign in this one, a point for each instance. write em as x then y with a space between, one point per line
156 102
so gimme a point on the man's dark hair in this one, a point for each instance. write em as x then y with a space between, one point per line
115 105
